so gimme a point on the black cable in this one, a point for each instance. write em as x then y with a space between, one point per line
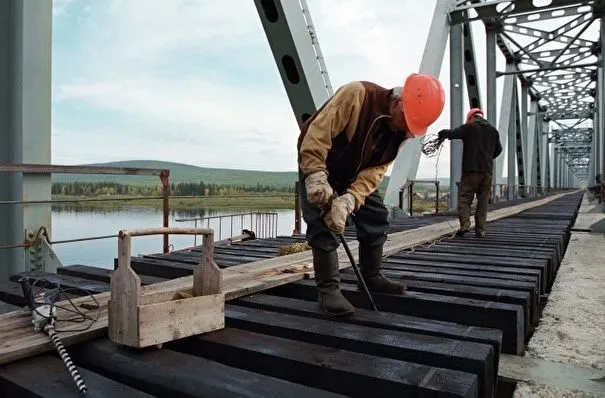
43 305
58 293
71 368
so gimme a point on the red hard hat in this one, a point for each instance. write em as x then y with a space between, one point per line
423 99
472 113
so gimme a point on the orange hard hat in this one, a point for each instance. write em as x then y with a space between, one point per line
472 113
423 99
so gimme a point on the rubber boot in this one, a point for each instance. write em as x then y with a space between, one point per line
462 231
370 258
327 278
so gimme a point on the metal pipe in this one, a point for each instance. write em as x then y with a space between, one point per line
297 208
164 178
490 67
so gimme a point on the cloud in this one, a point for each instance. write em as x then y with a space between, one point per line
60 7
195 81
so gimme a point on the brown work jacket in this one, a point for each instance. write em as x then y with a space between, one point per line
350 138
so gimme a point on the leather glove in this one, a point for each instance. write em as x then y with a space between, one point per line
336 217
319 191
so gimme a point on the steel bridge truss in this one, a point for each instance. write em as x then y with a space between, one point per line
550 118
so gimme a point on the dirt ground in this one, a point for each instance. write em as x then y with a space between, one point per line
572 328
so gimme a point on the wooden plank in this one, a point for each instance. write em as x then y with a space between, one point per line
168 373
488 253
397 263
380 319
477 259
11 293
523 286
530 288
46 376
100 274
478 293
506 317
470 291
161 268
71 284
535 371
186 317
344 372
475 358
238 281
6 307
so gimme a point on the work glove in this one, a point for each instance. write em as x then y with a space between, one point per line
442 134
319 191
336 216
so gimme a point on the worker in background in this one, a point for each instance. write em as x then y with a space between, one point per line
481 145
344 150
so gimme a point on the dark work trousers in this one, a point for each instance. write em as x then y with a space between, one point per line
371 222
472 183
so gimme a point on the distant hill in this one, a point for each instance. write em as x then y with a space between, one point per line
180 172
183 173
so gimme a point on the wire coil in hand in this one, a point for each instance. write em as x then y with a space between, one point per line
431 145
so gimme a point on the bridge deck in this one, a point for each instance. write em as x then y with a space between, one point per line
469 302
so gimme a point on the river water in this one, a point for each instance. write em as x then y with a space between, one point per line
72 224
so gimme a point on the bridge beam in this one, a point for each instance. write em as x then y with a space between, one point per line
456 111
297 54
531 139
25 124
599 131
405 165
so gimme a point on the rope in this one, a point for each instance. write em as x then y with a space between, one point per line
71 368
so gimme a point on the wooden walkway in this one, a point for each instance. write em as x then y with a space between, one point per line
468 302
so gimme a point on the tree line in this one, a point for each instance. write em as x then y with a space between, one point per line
179 189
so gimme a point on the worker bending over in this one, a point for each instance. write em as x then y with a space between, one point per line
344 149
481 145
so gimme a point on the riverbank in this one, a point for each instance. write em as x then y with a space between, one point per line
232 202
215 202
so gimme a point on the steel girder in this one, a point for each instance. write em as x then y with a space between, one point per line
558 61
406 164
548 49
295 46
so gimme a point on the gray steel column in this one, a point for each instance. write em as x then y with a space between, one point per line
600 133
492 104
593 152
555 168
512 144
506 125
525 137
456 119
544 153
25 123
532 144
561 172
405 165
520 175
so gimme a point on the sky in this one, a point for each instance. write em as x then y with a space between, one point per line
195 82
